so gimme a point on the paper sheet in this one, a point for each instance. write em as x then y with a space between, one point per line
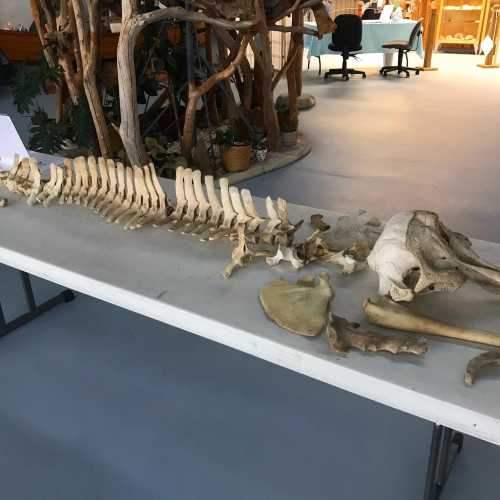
10 144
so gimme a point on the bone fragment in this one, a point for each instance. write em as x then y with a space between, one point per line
35 181
344 335
287 254
162 199
300 307
94 179
248 204
382 311
229 214
56 189
475 364
66 196
318 222
141 205
125 209
4 202
203 204
103 189
49 186
241 255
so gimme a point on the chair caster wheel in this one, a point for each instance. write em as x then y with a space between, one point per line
381 71
417 72
345 78
384 74
364 76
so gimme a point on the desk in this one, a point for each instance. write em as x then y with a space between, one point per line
375 34
176 279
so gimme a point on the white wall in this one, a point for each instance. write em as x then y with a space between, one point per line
16 12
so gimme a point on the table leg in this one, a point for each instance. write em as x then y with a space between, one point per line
34 310
446 444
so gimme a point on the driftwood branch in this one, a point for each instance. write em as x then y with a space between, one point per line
293 29
87 20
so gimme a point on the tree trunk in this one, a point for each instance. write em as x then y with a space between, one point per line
130 130
88 38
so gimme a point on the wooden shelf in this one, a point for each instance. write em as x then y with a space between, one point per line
455 41
460 17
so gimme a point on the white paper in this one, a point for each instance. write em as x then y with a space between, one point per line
487 45
10 143
385 17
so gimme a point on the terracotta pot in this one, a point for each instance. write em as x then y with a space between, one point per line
289 138
237 158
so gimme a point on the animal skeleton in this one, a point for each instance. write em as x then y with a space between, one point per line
133 197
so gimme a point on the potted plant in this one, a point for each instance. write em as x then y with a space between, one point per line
288 125
237 151
260 149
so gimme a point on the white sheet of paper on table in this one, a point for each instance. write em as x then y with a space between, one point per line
11 144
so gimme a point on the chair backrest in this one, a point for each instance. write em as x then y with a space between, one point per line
348 33
370 14
414 33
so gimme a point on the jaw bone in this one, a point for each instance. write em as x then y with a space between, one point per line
344 335
384 312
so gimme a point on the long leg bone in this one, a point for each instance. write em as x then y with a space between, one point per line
344 335
475 364
384 312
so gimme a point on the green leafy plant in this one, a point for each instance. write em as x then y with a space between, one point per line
29 82
47 136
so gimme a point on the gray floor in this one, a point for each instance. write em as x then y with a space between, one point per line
98 403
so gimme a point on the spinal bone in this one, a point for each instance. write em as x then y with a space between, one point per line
416 253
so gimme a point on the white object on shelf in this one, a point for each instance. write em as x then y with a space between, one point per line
11 144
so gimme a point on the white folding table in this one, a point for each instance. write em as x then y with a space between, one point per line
176 279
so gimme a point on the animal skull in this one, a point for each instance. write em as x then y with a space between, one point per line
416 254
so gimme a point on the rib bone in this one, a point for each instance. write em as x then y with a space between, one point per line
475 364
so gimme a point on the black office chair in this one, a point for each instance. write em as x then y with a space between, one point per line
403 47
346 39
370 14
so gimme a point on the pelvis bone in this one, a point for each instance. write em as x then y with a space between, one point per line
416 254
